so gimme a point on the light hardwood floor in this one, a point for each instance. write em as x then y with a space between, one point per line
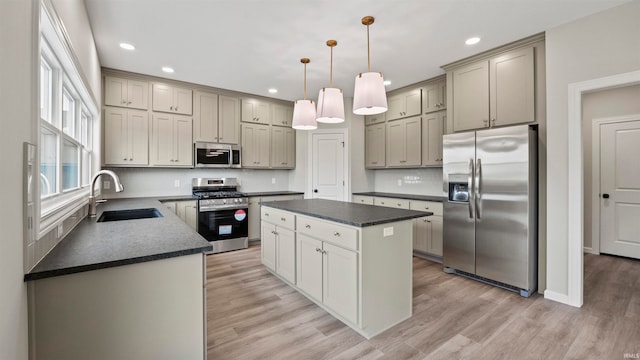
251 314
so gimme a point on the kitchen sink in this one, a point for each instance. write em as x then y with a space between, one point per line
132 214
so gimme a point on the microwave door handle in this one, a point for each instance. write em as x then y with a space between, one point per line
470 188
230 157
478 194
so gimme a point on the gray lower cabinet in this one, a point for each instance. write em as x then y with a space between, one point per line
254 212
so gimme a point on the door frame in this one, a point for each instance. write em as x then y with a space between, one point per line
346 154
575 184
595 175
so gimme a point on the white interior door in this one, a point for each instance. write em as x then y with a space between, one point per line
620 189
328 166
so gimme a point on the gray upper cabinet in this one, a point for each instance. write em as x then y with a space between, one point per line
172 99
512 88
374 144
375 119
404 104
471 96
281 115
256 111
433 125
216 118
283 147
256 145
494 92
434 96
404 145
126 93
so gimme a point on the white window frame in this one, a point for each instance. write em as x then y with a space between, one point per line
66 77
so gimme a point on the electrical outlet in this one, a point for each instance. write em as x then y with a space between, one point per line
273 180
176 183
106 184
399 182
388 231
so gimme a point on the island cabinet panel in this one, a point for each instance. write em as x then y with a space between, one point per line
279 243
360 275
340 281
309 266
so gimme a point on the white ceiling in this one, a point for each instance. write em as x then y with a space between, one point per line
253 45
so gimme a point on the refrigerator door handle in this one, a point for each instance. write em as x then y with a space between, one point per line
478 188
470 188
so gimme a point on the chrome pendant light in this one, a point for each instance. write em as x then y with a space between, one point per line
304 111
369 96
330 100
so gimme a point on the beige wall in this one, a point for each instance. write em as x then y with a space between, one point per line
601 104
18 99
593 47
73 14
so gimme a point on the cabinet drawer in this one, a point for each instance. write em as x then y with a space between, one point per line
434 207
360 199
329 232
391 202
278 217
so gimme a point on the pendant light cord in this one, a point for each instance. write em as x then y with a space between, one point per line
305 82
331 70
368 52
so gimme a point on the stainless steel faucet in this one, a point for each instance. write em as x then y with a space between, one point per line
92 199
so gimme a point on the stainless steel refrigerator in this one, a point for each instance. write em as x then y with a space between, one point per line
490 215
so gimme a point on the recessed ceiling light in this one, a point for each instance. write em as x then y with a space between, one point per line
167 69
273 91
472 41
387 82
127 46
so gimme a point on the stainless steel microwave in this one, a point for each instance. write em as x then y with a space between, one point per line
214 155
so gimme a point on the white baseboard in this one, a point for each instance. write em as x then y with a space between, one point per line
558 297
590 250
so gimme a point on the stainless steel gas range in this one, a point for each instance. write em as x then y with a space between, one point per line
223 213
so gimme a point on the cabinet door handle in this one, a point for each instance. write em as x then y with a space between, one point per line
283 219
129 103
493 122
171 107
125 159
318 250
308 226
324 251
337 234
176 108
266 214
124 101
399 204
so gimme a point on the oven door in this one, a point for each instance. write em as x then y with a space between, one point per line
223 224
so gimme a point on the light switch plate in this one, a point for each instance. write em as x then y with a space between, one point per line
388 231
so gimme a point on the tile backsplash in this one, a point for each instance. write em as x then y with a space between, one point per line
427 181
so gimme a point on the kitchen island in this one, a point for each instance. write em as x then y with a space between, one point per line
121 289
353 260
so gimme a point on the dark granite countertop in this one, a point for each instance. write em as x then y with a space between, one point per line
92 245
403 196
274 193
359 215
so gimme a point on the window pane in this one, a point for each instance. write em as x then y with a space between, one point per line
48 162
68 107
86 167
83 129
70 165
45 90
